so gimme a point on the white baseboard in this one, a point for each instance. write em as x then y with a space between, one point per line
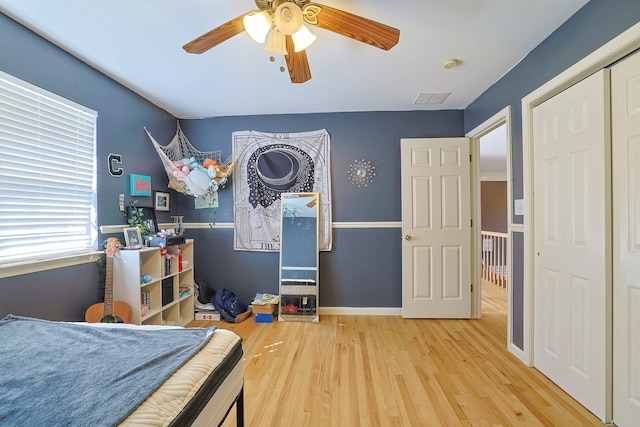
362 311
513 349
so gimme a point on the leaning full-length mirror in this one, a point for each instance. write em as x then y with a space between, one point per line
299 257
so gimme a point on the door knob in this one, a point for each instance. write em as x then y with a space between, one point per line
407 237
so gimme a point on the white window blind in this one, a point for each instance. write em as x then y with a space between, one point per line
47 174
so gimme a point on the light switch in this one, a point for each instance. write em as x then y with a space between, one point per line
518 207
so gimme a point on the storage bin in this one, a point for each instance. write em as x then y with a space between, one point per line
264 318
264 308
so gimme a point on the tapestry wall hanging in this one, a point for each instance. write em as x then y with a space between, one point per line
267 165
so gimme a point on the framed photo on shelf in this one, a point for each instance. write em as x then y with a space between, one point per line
132 236
161 201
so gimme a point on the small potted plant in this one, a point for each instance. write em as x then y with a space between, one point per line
135 218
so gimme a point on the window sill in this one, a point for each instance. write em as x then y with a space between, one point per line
26 267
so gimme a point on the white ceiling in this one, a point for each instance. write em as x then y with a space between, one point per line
493 155
139 44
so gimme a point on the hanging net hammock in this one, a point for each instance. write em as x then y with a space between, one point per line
190 171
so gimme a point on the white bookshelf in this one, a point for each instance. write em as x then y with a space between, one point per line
166 305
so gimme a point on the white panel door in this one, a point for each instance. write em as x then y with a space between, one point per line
625 91
436 216
572 282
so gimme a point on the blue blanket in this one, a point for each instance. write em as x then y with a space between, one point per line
55 373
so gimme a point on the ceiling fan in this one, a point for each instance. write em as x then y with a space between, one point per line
281 24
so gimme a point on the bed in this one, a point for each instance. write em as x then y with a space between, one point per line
78 374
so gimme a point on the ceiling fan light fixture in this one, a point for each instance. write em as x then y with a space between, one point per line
303 38
276 43
278 21
288 18
257 25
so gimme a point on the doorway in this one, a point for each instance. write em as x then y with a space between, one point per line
495 134
448 214
493 205
493 221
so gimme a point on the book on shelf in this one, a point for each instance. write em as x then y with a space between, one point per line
167 266
184 291
145 298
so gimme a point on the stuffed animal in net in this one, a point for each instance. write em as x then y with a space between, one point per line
191 171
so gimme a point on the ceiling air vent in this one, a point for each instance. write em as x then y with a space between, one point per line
431 97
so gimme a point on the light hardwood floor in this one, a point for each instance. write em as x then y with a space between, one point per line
389 371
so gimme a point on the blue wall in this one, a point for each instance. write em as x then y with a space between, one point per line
373 136
594 25
364 267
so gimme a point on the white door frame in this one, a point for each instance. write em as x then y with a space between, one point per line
604 56
502 117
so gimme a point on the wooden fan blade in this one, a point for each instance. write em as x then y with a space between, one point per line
297 63
216 36
347 24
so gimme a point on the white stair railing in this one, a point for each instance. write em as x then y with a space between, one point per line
494 257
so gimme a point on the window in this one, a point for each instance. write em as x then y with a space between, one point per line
47 174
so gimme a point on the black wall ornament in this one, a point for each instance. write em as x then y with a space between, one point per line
115 158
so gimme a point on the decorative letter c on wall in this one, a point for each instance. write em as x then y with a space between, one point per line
115 158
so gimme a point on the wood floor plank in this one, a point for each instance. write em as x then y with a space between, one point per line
390 371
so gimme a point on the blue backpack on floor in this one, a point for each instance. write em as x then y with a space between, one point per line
228 304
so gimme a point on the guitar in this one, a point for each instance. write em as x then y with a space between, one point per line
109 311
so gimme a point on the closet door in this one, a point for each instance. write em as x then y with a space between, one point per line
625 85
572 316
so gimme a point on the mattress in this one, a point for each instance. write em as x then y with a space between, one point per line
74 373
201 392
